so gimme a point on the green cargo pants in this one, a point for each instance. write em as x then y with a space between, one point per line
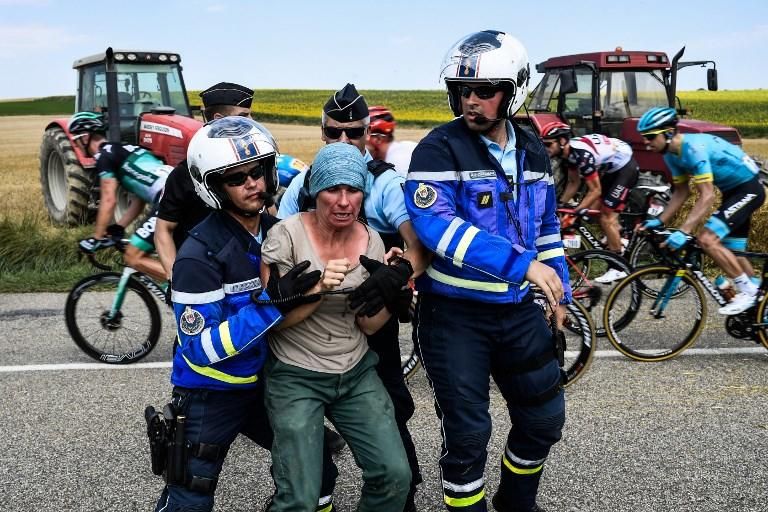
358 406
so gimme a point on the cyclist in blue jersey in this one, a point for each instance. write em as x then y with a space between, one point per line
139 172
709 162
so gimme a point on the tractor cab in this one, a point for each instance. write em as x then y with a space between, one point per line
125 84
607 92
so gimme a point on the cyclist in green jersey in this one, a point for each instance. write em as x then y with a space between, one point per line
139 172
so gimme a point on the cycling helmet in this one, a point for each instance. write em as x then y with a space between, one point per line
657 119
225 143
491 57
86 122
555 130
382 120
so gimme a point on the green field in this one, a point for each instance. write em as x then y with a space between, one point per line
745 110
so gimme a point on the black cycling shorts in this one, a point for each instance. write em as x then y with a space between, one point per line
734 216
617 185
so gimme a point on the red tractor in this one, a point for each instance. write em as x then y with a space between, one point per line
606 92
144 100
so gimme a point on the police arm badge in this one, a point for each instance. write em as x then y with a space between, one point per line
424 196
191 322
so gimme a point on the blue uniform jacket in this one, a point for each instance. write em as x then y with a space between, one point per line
484 232
222 334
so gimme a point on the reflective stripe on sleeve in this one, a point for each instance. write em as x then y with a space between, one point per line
548 239
207 343
226 339
445 240
432 176
197 298
549 254
461 249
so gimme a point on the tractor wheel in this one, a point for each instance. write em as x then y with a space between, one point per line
66 185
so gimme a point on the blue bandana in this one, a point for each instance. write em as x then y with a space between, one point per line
337 164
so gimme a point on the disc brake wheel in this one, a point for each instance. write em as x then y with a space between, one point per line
122 337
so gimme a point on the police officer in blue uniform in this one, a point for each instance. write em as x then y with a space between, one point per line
222 344
345 119
481 197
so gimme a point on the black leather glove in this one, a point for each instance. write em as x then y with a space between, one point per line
404 305
287 292
116 232
382 288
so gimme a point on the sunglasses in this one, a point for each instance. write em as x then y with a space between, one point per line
484 92
549 143
237 179
649 136
333 132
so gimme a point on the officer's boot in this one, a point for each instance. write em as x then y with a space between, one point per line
517 491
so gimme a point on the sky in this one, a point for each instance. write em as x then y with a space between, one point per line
387 44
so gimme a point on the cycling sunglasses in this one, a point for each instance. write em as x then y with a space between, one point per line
334 133
484 92
237 179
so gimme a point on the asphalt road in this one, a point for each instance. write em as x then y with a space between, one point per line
685 435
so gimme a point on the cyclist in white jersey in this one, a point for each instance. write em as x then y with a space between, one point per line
608 169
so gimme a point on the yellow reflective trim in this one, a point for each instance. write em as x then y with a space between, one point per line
226 339
703 178
219 375
524 285
466 283
325 509
549 254
520 471
461 249
464 502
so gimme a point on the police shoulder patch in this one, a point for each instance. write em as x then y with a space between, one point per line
191 322
424 196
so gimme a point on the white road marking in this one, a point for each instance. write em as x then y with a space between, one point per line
607 354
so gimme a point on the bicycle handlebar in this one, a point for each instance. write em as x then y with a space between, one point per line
106 243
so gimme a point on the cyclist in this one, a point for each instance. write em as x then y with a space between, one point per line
346 119
709 162
608 169
139 172
222 334
481 195
381 140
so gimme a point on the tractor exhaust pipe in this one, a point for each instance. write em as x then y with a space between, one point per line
673 79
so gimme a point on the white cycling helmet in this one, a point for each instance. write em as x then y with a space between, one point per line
490 57
225 143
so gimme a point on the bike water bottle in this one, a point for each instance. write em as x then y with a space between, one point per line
725 287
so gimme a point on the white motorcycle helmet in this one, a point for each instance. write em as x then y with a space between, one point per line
225 143
491 57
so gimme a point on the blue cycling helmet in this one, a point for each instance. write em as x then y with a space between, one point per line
657 120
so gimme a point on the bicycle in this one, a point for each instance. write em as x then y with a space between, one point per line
672 292
579 339
112 316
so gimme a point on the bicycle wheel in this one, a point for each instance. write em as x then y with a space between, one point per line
583 268
122 338
664 325
579 342
761 322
